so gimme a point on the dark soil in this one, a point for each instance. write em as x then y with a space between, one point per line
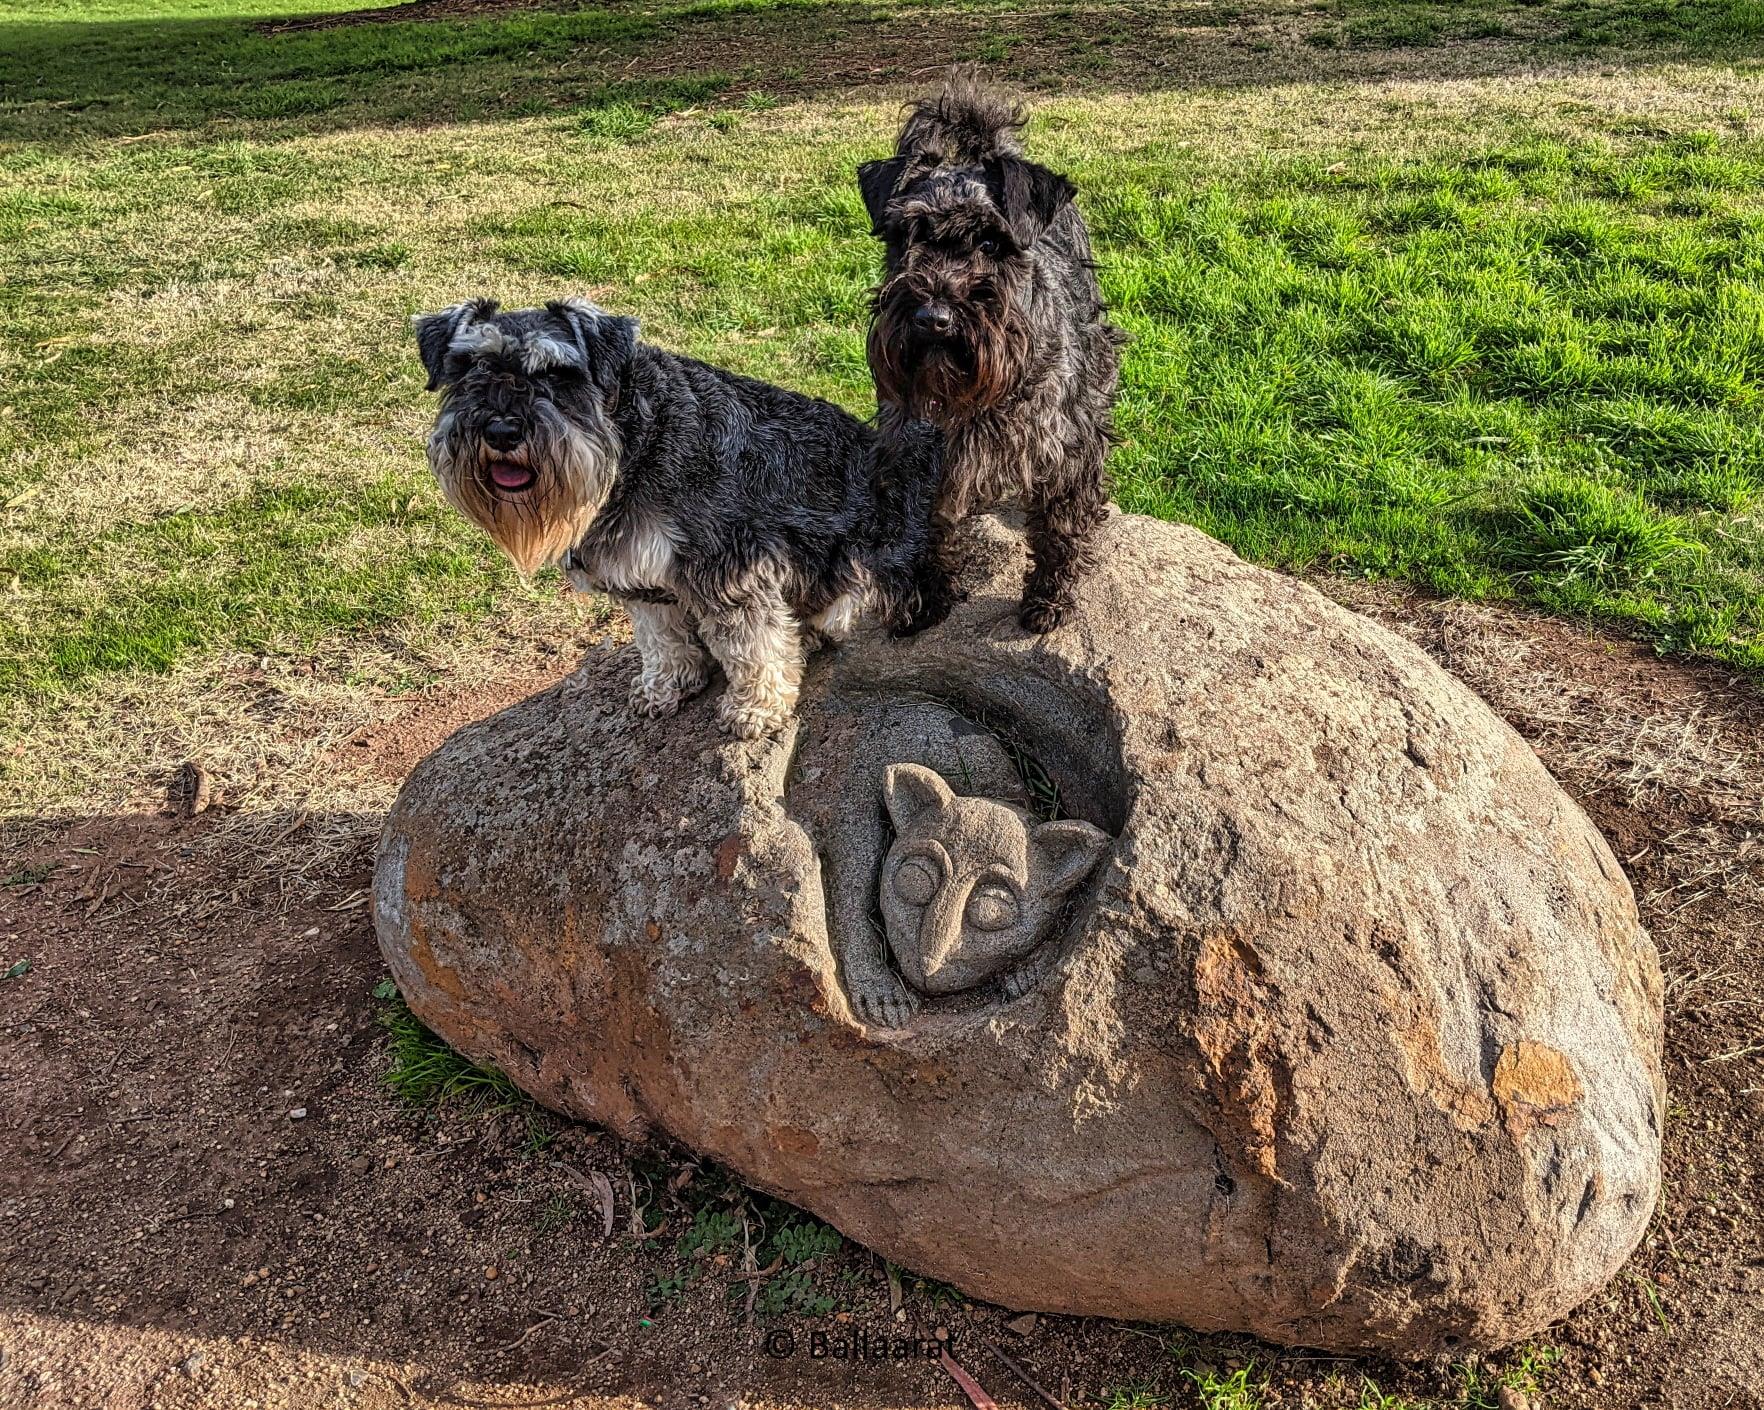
843 48
210 1198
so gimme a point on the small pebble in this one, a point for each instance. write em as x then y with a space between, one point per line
297 1114
491 1272
192 1363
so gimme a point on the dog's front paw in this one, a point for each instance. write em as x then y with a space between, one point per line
655 699
747 719
650 702
1041 615
928 613
657 694
885 1004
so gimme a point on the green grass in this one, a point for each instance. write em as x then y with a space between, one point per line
1135 1397
1527 370
720 1222
427 1074
1499 341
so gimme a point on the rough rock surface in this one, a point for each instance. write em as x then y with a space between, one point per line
1350 1039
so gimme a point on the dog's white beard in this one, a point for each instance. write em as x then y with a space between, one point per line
545 522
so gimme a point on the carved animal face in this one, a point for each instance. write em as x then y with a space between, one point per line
950 334
970 884
524 445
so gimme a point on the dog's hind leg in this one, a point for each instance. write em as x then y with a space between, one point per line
758 643
675 666
1061 523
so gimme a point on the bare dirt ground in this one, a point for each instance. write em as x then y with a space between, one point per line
210 1198
793 53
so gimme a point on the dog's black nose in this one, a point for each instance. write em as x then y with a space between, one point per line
933 318
503 433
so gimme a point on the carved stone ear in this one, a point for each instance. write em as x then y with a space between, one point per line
876 182
435 333
910 789
1068 850
1030 196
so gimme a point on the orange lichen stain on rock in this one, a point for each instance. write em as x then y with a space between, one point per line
1534 1084
435 974
1231 1031
794 1140
1468 1107
420 881
729 852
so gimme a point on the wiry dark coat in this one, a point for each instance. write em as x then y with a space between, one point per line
749 477
757 478
989 323
727 513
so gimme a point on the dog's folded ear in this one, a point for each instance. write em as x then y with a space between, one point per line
876 183
605 340
435 333
1030 196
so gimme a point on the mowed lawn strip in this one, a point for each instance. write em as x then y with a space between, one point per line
1493 350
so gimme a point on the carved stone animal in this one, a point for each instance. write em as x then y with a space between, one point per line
970 884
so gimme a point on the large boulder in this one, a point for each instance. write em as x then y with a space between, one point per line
1321 1012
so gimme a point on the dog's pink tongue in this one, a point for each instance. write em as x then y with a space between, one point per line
510 476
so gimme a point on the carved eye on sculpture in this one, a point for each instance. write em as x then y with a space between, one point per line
992 907
916 880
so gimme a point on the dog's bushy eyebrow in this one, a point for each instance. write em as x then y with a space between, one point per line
440 334
541 352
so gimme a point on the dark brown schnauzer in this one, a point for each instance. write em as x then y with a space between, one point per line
989 323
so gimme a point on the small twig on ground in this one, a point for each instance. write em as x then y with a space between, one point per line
637 1230
970 1387
1016 1368
545 1321
594 1182
748 1265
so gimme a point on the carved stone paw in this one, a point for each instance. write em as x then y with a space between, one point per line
884 1004
749 719
1022 979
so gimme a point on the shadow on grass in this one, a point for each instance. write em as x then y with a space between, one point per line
456 60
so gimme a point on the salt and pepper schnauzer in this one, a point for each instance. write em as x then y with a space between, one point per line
726 513
989 323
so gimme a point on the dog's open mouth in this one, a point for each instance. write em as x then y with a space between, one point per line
509 477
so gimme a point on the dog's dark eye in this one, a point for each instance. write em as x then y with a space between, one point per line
988 247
